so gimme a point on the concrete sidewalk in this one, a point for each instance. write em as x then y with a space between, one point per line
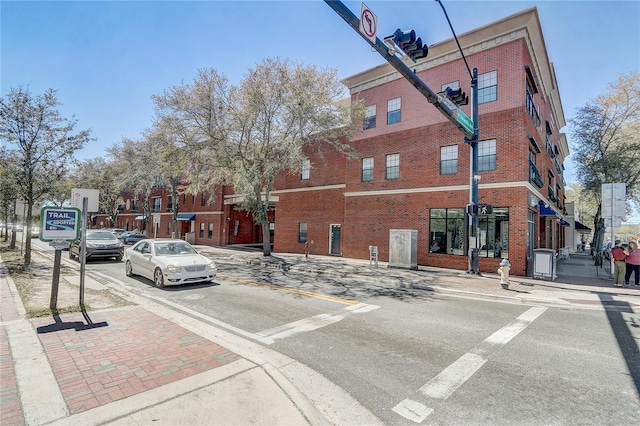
148 363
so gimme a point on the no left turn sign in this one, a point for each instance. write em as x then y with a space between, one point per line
368 23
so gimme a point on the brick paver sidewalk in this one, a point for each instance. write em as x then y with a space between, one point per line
118 353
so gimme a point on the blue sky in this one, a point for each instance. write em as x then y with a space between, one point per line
106 58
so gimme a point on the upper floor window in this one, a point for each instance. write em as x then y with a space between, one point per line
393 110
156 204
306 167
486 155
393 166
367 169
369 117
449 160
488 87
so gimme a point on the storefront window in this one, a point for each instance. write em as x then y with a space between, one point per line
494 233
446 231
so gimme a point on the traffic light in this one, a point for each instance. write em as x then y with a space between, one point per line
409 44
457 96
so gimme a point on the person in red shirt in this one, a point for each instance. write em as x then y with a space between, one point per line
633 264
619 264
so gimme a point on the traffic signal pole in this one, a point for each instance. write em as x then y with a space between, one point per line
472 233
400 66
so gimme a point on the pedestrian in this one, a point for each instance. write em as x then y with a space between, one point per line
619 264
582 245
632 264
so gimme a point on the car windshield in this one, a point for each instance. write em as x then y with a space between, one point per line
103 235
167 249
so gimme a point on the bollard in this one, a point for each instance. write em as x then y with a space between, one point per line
503 270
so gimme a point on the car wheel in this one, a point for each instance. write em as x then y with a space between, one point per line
158 278
128 269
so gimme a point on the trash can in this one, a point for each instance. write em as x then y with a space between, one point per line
544 264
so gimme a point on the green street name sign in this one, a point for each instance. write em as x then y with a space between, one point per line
466 122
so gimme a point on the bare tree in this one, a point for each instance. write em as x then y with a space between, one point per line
606 141
248 135
43 142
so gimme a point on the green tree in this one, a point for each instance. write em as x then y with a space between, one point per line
606 142
247 135
103 175
42 142
8 194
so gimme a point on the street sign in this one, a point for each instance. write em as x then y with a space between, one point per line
59 224
466 122
59 244
368 23
93 197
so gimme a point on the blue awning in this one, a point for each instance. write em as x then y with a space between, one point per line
186 216
545 210
564 223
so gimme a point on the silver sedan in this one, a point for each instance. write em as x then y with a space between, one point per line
168 262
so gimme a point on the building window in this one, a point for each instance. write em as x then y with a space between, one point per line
169 203
487 155
367 169
493 231
369 117
449 160
202 229
446 231
302 232
393 166
156 204
393 110
306 167
454 85
193 199
203 199
184 200
488 87
210 234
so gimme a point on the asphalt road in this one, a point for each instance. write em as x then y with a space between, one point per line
411 356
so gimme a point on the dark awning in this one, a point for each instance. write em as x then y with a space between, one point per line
564 223
186 216
581 227
545 210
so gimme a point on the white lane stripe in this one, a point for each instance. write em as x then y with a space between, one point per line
445 383
451 378
413 410
315 322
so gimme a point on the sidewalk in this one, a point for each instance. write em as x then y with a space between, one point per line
148 363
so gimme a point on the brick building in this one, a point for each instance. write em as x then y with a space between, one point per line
412 170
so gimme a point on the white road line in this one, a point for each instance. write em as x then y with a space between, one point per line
315 322
451 378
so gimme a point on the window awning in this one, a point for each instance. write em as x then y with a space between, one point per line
140 218
564 223
581 227
545 210
186 216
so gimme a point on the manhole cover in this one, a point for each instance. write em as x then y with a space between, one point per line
193 297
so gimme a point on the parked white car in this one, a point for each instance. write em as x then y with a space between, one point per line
168 262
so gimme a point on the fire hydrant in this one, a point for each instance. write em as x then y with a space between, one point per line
503 270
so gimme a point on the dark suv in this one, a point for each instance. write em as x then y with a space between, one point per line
101 244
